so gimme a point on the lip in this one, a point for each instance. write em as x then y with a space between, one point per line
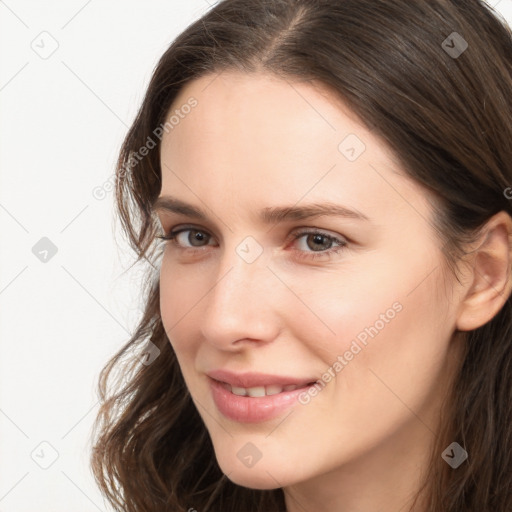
246 409
252 379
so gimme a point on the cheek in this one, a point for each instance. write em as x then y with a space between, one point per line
391 319
179 296
393 342
344 305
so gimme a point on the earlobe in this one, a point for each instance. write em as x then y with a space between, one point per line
490 281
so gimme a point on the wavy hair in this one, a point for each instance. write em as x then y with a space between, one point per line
448 120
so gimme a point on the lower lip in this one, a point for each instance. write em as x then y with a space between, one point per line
246 409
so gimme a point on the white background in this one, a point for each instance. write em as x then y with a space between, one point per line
62 122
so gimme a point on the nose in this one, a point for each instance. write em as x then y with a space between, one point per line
242 307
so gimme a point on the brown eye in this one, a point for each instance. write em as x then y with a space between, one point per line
318 242
187 238
195 237
318 245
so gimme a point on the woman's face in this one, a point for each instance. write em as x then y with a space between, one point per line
264 291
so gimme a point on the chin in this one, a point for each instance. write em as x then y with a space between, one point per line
254 480
263 475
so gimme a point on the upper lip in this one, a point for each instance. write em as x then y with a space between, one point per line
253 379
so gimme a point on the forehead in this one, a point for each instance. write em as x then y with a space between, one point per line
263 105
263 140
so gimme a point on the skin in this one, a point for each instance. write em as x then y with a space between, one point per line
256 141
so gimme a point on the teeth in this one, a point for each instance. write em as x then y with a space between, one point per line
273 389
259 391
238 391
255 392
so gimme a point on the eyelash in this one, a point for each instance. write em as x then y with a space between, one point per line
311 255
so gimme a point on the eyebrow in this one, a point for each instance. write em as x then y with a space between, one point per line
269 215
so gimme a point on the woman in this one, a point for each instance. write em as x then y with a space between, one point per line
329 323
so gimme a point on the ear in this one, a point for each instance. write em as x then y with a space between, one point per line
489 282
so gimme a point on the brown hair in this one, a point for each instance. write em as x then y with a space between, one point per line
447 118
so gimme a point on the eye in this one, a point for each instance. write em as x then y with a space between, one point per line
318 244
180 238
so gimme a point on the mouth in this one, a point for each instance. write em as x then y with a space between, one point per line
260 391
256 403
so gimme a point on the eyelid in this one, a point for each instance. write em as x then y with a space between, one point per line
319 231
297 233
